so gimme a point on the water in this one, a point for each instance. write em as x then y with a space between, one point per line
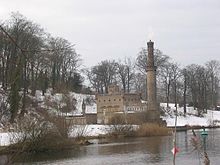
132 151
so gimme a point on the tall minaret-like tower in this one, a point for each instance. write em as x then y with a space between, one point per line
152 106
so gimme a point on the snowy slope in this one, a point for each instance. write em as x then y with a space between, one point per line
58 99
210 118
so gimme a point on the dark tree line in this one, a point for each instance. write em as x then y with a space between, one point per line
31 59
202 85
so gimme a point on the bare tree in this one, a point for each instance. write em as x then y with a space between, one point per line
102 75
213 69
140 84
22 35
64 61
185 85
31 59
126 73
166 77
198 82
160 60
176 74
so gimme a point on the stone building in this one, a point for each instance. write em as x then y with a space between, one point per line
117 102
129 104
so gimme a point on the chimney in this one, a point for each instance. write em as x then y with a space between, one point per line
151 79
150 59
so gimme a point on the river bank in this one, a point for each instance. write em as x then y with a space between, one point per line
185 128
131 151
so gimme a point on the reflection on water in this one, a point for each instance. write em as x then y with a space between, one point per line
138 151
149 146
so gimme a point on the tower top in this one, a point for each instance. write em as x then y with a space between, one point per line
150 42
150 58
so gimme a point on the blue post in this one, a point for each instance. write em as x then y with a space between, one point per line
204 134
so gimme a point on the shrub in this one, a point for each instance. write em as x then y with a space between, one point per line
120 130
60 125
31 134
119 126
34 133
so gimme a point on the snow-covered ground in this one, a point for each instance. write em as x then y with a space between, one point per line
89 130
209 119
60 101
4 139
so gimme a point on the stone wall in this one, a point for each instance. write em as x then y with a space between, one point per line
76 120
108 104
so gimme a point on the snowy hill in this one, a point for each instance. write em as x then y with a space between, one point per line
76 99
211 118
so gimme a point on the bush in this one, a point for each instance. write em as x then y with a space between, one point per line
34 133
60 125
121 130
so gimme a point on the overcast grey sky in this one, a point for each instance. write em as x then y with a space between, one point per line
186 30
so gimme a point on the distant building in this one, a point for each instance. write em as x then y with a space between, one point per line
129 104
87 116
116 102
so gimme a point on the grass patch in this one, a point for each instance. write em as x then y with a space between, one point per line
152 129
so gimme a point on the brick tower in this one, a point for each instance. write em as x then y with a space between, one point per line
152 106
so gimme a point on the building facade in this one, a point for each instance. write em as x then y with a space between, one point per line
117 102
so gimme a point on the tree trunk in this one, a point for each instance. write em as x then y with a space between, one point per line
184 97
23 109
